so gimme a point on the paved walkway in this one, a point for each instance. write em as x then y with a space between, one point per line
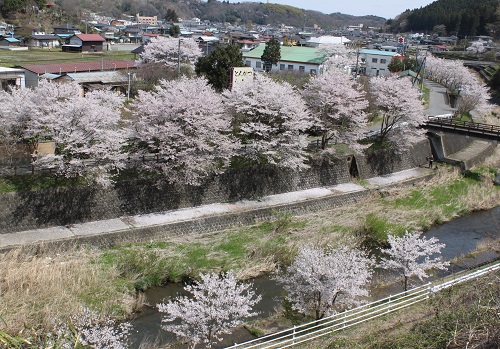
161 218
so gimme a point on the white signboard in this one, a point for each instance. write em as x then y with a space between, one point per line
239 74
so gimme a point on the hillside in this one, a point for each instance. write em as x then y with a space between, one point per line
452 17
212 10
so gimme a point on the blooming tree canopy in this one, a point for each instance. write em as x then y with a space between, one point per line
322 281
269 119
87 130
167 50
401 110
338 55
337 103
471 92
411 255
218 303
89 329
185 125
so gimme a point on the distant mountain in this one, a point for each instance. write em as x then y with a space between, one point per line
453 17
212 10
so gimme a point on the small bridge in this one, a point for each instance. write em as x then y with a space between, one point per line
469 128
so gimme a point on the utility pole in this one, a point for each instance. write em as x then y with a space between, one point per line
128 89
179 60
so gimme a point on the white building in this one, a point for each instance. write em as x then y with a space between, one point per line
375 62
12 78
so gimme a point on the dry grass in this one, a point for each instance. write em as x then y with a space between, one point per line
42 287
42 290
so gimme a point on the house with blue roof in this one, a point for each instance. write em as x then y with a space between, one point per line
8 42
293 58
376 62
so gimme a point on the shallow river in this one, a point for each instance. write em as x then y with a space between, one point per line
461 236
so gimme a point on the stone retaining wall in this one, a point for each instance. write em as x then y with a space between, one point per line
62 206
206 224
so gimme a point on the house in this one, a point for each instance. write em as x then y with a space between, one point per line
34 72
376 62
326 40
11 77
66 29
84 43
8 42
293 58
112 80
43 41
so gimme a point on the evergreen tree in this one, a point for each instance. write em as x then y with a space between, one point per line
271 55
171 16
396 65
216 67
174 31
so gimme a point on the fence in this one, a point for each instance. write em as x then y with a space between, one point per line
340 321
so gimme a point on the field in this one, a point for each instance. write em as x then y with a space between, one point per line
12 59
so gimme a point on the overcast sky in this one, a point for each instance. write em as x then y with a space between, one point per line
383 8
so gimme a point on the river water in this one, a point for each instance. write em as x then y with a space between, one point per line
461 236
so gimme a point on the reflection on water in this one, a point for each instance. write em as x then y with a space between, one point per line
461 237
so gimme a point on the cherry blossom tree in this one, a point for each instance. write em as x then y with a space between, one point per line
338 55
411 255
269 119
322 281
167 50
184 123
89 329
87 130
217 304
337 103
401 110
471 92
15 110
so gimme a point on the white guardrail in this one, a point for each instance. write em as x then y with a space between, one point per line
340 321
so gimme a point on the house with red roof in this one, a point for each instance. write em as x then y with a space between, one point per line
85 43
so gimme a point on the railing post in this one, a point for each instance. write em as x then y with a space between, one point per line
293 335
388 305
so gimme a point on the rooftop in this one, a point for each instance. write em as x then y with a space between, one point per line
58 68
291 54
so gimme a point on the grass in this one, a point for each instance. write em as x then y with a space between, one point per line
459 317
48 285
43 56
36 182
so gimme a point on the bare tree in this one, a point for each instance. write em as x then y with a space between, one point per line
217 304
411 256
321 281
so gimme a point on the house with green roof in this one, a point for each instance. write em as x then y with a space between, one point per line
293 58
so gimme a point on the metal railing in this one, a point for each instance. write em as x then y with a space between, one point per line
475 128
316 329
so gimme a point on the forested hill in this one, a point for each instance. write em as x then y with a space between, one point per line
459 17
212 10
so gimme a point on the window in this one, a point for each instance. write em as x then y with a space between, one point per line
290 67
374 60
258 65
302 68
248 63
282 67
383 61
312 72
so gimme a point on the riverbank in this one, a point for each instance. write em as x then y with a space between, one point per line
51 284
